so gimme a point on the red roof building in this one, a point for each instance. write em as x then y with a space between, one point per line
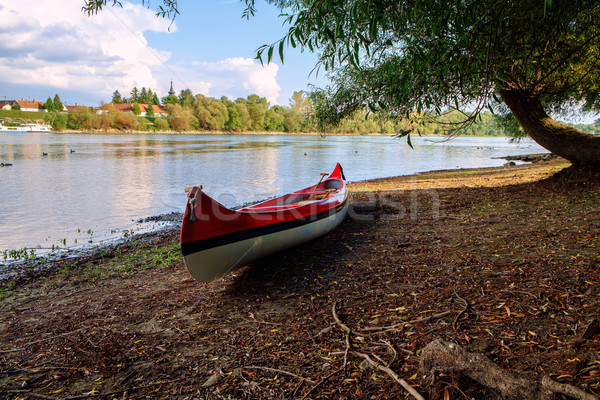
27 105
125 107
6 104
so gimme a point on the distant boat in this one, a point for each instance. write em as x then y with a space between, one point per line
37 128
26 128
12 129
216 240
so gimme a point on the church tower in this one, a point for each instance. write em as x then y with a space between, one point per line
171 91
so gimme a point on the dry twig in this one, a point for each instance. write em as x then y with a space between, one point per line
41 340
392 374
348 346
464 310
276 370
381 367
381 329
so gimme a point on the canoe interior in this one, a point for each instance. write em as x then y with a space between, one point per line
323 190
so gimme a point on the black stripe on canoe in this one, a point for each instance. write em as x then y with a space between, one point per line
205 244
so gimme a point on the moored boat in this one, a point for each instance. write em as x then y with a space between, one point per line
26 128
37 128
216 240
12 129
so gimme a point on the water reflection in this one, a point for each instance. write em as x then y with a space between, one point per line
101 183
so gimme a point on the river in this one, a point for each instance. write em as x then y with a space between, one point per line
70 190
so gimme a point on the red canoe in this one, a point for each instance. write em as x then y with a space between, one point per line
216 240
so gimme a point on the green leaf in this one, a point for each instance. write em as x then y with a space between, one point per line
354 64
330 34
373 29
281 51
259 53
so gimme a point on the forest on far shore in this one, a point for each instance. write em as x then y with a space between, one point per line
188 113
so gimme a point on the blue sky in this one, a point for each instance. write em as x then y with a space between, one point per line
52 47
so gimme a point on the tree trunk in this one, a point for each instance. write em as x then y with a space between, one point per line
442 356
581 148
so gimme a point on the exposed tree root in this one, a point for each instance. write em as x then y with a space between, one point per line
374 363
391 373
441 356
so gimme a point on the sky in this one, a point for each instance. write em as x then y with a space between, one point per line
51 47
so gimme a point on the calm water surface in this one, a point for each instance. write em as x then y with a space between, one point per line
93 187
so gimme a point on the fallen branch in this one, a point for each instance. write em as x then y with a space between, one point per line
261 322
441 356
381 367
338 320
464 310
394 352
348 345
41 340
567 390
86 395
391 373
323 380
133 389
398 325
276 370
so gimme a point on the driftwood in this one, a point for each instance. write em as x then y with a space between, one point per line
445 357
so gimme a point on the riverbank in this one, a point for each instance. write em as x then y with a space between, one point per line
504 260
203 132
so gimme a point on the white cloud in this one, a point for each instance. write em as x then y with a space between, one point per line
259 79
232 77
53 43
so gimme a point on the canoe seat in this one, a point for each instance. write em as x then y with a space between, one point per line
267 208
332 184
315 192
304 202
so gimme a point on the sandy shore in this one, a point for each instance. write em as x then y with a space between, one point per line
504 261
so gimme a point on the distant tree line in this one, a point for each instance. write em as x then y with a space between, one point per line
250 114
590 128
83 118
189 112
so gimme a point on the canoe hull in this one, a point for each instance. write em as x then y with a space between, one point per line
216 240
210 264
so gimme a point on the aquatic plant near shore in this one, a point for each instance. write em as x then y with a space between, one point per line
18 254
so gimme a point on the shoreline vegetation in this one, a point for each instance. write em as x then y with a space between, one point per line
263 119
500 261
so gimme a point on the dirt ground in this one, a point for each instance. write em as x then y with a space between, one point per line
503 261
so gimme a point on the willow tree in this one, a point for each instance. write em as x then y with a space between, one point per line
535 57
